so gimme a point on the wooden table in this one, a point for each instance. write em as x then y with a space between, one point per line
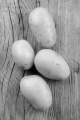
14 26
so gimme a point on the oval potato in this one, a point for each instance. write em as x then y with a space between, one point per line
50 64
23 54
42 26
36 91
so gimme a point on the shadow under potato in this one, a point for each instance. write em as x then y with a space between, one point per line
33 71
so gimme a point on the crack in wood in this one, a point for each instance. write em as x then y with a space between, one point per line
10 19
21 17
27 33
38 3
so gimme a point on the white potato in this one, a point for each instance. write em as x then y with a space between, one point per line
36 91
42 26
23 54
50 64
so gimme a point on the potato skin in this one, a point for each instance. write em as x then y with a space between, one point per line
36 91
50 64
42 26
23 54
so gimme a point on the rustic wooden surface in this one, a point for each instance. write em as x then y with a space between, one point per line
13 26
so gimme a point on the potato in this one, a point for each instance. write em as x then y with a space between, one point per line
50 64
36 91
23 54
42 26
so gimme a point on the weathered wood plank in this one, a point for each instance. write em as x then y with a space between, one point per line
13 26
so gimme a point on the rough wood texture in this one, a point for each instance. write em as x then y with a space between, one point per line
14 26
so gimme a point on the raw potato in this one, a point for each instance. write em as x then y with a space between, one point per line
23 54
36 91
50 64
43 27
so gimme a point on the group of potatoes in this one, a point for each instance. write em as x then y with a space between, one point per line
47 62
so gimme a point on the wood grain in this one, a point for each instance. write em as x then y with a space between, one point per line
14 26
